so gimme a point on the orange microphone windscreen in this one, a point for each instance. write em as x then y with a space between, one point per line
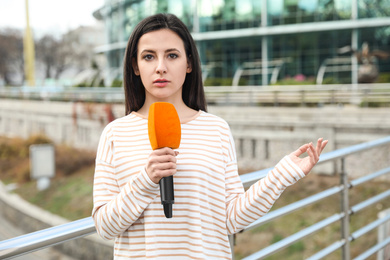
164 126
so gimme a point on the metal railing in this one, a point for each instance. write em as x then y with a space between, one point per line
76 229
300 95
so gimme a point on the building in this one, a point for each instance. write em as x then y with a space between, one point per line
86 65
259 42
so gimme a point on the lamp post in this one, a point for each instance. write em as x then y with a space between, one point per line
29 52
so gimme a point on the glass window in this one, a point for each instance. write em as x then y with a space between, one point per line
335 9
374 8
175 7
210 8
275 7
182 9
134 13
162 6
114 36
303 11
210 14
229 14
308 5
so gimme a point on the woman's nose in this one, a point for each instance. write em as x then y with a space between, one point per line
161 67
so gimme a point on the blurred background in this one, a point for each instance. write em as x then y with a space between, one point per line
241 42
280 72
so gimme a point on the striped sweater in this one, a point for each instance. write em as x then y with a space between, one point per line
210 202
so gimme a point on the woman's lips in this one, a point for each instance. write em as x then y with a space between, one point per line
160 82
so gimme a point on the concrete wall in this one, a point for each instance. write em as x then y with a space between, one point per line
263 135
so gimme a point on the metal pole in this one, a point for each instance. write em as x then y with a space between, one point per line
232 242
29 52
195 26
345 208
354 62
264 45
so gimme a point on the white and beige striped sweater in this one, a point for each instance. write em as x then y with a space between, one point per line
210 201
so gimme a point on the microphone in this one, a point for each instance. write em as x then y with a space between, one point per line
164 130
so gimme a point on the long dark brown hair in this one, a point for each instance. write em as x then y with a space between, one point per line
193 92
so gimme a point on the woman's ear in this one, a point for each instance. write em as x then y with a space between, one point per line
189 65
135 66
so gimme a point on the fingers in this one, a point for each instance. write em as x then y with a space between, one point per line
165 150
315 153
301 150
324 143
312 152
319 145
309 148
308 162
161 163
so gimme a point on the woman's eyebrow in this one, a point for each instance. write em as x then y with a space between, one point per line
148 51
153 51
172 49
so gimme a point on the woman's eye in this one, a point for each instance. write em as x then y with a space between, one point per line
173 56
148 57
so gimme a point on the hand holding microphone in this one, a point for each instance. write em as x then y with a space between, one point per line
161 163
164 134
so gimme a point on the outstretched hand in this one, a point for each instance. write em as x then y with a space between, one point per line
307 163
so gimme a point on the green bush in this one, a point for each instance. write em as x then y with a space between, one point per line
218 82
292 81
117 83
384 77
69 160
19 148
14 157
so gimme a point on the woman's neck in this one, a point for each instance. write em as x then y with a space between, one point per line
185 113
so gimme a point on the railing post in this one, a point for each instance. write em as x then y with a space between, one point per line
232 241
332 96
303 102
276 99
345 232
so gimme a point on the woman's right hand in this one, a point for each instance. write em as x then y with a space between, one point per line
161 163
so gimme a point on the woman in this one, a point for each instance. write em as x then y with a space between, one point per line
162 64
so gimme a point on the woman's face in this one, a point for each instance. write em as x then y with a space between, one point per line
162 65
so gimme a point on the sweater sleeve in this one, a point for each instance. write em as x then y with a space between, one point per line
115 209
243 208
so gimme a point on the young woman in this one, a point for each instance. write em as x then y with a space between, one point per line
162 64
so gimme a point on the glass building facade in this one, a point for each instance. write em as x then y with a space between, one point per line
259 42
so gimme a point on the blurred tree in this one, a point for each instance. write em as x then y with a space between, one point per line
72 52
46 48
11 56
56 55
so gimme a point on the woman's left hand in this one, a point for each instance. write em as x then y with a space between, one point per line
308 162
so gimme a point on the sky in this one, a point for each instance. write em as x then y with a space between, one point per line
48 16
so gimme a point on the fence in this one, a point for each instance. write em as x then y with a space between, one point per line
361 94
59 234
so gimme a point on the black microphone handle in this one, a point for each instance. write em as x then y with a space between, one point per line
167 195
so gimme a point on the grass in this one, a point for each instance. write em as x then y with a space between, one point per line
70 196
70 192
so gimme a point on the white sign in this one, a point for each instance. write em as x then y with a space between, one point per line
42 161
